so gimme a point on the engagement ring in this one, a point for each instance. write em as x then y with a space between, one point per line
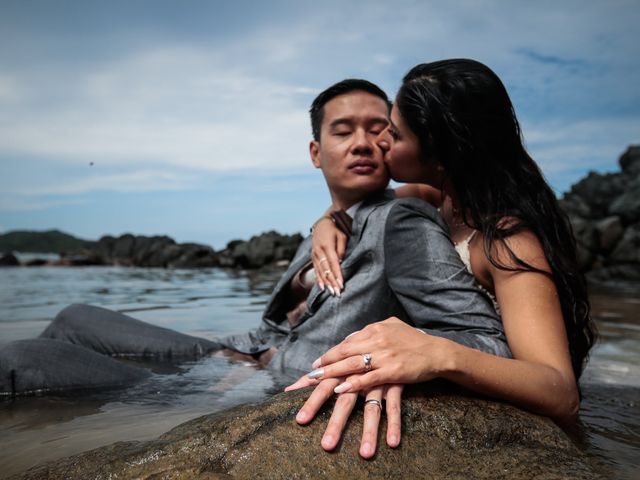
366 358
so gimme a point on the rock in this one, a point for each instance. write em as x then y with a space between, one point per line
445 435
36 262
630 161
628 249
574 206
122 250
627 205
259 251
598 191
193 255
604 210
609 231
586 241
9 260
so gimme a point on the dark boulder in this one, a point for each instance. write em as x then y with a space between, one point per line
260 250
9 260
598 191
445 436
604 210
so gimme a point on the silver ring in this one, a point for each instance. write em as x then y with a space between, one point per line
366 358
374 402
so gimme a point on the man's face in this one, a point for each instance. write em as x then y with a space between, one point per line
347 152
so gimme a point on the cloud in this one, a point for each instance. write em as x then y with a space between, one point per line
174 106
162 108
13 203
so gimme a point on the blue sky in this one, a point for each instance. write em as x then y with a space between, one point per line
190 118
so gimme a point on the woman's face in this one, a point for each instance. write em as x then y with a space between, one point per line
403 157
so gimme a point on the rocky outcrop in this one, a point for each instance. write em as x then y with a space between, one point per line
158 251
604 210
260 250
162 251
9 260
445 435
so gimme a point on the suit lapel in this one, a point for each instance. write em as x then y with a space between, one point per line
362 215
316 296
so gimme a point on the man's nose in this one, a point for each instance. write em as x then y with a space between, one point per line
362 143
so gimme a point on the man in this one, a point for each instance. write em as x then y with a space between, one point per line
399 262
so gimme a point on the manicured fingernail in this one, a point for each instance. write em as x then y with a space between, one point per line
338 292
367 449
317 373
331 290
343 387
301 416
316 363
321 285
341 283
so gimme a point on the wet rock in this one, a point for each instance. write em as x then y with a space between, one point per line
604 210
598 191
260 250
37 262
586 240
628 249
627 205
155 251
445 435
609 231
9 260
630 160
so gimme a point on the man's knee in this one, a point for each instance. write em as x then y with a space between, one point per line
68 319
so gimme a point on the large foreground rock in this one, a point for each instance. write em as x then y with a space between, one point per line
444 436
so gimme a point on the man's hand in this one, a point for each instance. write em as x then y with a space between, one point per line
343 408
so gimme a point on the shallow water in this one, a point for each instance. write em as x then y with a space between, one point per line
217 302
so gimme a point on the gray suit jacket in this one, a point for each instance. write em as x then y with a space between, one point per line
399 261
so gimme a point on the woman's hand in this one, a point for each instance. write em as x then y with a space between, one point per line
328 247
343 408
399 354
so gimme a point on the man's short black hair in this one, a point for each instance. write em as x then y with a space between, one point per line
345 86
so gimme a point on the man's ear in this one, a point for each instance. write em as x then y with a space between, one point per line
314 151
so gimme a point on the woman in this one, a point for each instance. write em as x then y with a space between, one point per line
454 134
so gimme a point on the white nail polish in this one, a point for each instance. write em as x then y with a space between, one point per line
344 387
317 373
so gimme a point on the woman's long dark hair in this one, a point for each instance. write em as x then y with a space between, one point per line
463 117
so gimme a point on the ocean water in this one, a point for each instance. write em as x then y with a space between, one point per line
215 302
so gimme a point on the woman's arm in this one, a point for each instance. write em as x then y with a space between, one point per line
421 191
329 243
539 377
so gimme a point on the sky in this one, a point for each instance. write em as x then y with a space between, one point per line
189 118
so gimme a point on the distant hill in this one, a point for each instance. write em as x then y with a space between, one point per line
50 241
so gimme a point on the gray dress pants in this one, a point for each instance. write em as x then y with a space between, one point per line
76 352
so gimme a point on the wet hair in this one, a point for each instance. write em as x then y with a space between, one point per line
464 120
345 86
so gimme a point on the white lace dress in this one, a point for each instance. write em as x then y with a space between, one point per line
463 250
